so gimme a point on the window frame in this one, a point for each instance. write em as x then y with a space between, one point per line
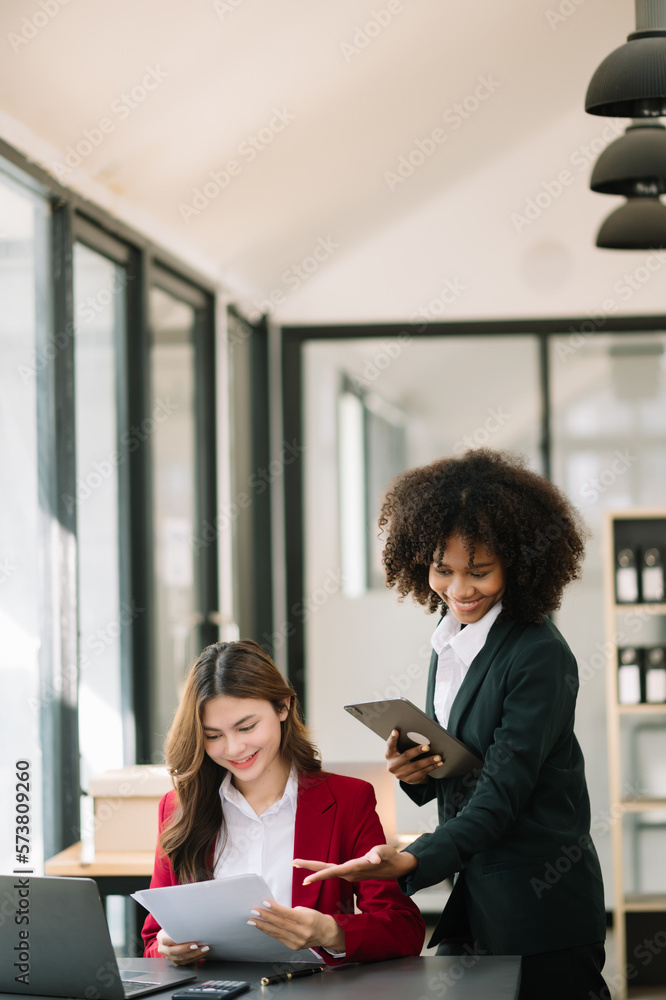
76 219
293 338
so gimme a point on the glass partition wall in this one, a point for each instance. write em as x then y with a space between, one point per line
364 421
183 610
176 611
105 609
608 397
588 410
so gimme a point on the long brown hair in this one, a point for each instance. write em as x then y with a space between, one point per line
242 670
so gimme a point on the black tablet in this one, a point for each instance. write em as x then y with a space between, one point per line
416 727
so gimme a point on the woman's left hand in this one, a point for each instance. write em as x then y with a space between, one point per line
382 861
298 927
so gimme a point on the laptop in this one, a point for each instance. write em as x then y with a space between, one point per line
54 941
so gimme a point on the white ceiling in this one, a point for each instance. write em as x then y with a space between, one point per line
226 65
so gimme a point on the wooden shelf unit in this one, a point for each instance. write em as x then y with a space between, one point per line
642 709
642 804
624 902
644 902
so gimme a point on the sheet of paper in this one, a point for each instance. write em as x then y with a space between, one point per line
216 913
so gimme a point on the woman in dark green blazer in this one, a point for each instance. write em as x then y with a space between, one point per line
491 545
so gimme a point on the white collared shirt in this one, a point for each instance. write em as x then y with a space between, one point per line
260 845
456 648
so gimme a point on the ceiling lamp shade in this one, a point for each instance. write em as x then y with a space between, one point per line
639 224
635 164
631 81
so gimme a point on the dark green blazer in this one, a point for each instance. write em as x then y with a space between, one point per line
519 832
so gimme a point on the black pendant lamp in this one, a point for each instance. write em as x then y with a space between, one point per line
639 224
631 81
634 166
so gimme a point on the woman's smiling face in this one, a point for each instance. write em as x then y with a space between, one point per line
243 735
469 592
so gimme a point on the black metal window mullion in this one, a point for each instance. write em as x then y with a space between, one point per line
544 380
206 464
136 697
293 339
292 394
262 547
59 715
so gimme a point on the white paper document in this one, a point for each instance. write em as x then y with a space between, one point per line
216 913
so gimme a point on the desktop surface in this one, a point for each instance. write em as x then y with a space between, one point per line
468 977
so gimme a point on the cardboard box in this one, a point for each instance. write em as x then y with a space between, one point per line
126 804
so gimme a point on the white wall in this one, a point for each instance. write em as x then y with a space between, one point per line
362 648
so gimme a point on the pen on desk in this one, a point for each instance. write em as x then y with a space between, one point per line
284 976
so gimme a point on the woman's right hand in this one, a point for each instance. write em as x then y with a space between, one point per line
180 954
403 766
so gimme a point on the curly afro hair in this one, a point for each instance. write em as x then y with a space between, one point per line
488 497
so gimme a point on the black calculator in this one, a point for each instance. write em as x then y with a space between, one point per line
213 989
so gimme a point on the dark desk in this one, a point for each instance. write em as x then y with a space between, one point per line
466 978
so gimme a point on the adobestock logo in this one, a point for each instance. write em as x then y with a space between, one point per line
480 436
31 26
294 276
7 569
534 207
247 150
122 107
563 12
454 117
85 313
366 33
551 190
451 290
222 7
625 288
598 485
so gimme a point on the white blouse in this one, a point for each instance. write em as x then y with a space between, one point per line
260 845
456 647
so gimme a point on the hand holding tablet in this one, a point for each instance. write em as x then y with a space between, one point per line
415 764
415 730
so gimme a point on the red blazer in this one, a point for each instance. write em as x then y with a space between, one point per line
335 821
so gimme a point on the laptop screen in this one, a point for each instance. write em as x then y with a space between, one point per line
54 941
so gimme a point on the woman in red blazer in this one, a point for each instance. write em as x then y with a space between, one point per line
238 750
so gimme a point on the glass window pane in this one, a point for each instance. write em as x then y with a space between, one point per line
608 396
99 311
609 427
23 566
176 615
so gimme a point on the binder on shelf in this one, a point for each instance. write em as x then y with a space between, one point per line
626 577
629 676
652 575
655 675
